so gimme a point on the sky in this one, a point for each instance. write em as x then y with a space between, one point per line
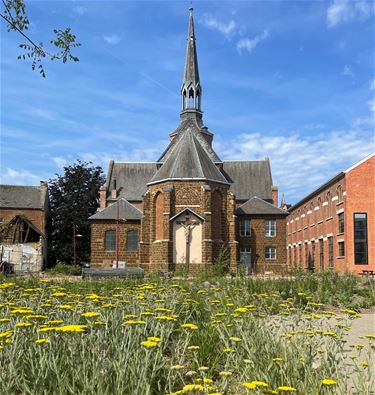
291 80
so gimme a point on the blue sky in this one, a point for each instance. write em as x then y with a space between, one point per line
293 80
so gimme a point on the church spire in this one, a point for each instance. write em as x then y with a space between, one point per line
191 91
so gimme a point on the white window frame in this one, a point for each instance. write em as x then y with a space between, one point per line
270 228
271 253
245 225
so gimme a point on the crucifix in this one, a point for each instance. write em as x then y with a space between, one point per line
189 225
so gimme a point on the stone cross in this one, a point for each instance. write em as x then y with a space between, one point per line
189 225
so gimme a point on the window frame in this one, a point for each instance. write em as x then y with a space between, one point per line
132 231
244 229
271 257
109 241
362 240
341 222
268 223
341 254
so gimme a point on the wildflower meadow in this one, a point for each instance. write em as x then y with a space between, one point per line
192 336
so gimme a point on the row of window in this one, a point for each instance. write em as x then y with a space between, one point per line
269 228
245 254
131 240
360 245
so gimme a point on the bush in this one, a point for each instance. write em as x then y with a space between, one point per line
63 268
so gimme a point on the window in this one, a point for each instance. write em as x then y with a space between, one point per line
306 254
270 228
341 223
312 214
313 254
330 252
110 240
340 193
245 255
290 255
341 248
321 254
132 240
300 255
329 206
360 239
270 252
245 229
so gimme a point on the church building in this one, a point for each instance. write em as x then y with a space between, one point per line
190 210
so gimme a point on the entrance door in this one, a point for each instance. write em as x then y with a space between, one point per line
245 257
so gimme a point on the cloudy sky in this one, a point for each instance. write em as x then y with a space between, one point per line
290 80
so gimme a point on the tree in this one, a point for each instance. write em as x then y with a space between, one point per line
73 199
14 14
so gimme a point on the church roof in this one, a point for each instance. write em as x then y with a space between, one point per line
199 134
131 179
23 197
249 178
126 212
188 160
256 205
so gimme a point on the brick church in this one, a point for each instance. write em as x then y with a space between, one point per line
189 208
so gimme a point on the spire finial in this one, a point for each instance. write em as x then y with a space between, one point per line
191 9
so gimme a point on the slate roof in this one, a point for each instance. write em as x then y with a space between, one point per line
22 197
131 179
256 205
249 178
188 160
191 124
126 211
191 72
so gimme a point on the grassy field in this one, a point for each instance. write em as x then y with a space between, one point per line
201 336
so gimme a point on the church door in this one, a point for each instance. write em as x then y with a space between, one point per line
187 239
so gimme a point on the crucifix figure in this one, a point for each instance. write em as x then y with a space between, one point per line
189 225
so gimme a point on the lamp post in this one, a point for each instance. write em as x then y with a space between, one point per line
75 235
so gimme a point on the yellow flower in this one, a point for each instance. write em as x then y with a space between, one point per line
177 367
5 335
149 344
165 318
42 341
329 382
4 319
364 363
228 349
66 328
21 311
193 327
225 373
286 389
59 294
203 368
99 323
134 322
23 324
193 387
90 314
254 384
154 339
193 348
277 359
235 339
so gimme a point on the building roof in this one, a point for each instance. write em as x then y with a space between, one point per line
256 205
200 132
126 212
249 178
23 197
131 179
188 160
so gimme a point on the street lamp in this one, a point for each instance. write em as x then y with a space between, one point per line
75 235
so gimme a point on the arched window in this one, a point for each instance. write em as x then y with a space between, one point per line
329 205
312 214
159 216
132 240
340 193
319 212
110 240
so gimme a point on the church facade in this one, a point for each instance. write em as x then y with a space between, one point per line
190 210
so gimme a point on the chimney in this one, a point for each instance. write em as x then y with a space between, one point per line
275 195
102 197
114 190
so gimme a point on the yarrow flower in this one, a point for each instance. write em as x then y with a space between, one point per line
329 382
286 389
42 341
90 314
252 385
149 344
193 327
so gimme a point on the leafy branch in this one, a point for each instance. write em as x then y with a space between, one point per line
14 14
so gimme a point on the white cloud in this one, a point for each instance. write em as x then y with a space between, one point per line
347 71
371 104
226 29
301 163
60 161
79 10
112 39
372 84
250 44
20 177
340 11
42 113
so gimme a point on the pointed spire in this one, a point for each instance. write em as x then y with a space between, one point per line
191 90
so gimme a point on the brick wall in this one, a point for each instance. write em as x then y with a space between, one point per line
36 216
258 242
102 258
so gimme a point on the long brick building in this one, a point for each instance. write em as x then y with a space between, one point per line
189 207
334 226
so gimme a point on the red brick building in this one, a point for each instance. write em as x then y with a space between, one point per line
189 207
334 226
